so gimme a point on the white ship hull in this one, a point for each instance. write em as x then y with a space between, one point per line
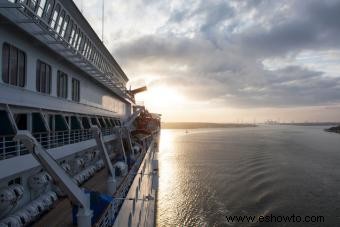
57 82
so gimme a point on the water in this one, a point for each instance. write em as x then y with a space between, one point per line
206 175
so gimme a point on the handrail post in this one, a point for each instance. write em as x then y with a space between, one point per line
111 181
4 146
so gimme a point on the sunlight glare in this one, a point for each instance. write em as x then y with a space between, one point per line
161 97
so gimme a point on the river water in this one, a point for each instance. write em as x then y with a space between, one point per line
270 171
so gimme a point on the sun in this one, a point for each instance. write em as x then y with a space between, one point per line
162 97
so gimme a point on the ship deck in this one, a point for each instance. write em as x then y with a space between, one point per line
61 214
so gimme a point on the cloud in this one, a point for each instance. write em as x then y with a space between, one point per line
310 25
214 51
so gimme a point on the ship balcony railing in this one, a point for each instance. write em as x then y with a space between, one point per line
10 148
43 31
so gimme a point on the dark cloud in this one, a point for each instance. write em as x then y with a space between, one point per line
223 57
312 25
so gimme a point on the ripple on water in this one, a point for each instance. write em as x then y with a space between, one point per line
243 173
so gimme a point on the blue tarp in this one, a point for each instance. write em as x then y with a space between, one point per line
99 203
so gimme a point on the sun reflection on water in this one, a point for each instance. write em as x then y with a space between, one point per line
166 162
169 173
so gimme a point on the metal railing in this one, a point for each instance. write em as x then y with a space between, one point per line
10 148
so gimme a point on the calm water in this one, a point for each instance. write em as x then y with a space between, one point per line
279 170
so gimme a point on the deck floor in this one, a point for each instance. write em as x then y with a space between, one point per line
61 214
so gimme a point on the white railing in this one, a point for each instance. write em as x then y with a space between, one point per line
49 140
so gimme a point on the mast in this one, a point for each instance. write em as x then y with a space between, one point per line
103 8
81 7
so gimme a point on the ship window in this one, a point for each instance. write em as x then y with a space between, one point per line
89 51
68 31
38 123
51 121
55 16
48 9
84 48
13 65
75 124
74 28
41 7
60 21
21 121
94 121
108 122
102 123
85 122
5 126
63 30
32 4
93 51
67 119
74 44
117 122
60 123
82 43
95 57
75 90
62 85
43 80
79 41
113 123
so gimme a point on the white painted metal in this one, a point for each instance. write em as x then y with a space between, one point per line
138 208
103 94
27 162
111 181
75 194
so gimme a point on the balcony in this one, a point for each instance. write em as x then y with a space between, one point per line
75 50
49 140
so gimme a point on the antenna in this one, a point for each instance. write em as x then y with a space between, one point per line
103 7
81 7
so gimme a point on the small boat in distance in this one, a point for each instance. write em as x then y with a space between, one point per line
186 131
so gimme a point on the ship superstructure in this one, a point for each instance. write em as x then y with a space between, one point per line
59 84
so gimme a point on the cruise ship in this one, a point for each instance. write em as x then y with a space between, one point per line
75 147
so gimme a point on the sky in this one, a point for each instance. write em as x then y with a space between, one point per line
227 61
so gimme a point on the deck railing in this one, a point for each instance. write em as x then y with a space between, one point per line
10 148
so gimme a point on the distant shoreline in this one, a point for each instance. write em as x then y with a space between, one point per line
312 124
335 129
197 125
